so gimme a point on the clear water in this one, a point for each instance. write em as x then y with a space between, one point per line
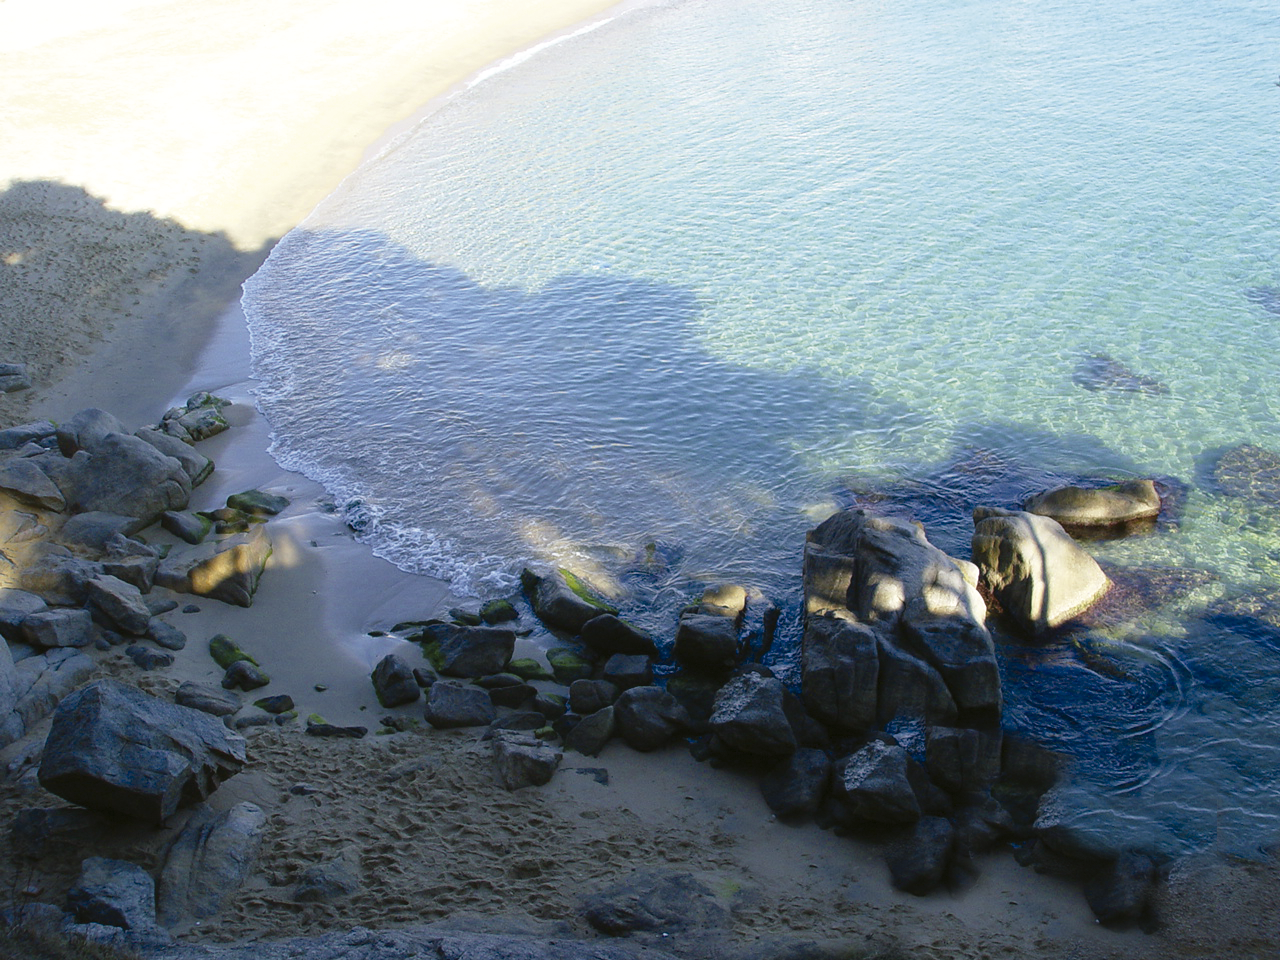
653 301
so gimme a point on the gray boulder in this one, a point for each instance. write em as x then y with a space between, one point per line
963 654
120 604
588 696
208 862
125 476
706 642
452 705
43 680
14 377
114 893
872 785
166 635
52 572
61 627
15 606
963 761
908 687
919 863
91 532
1121 892
649 717
749 717
85 430
797 785
652 900
11 438
560 599
840 672
11 725
186 525
28 484
607 635
468 651
524 761
590 734
196 464
625 671
1039 573
244 675
114 748
207 699
228 570
393 682
1097 506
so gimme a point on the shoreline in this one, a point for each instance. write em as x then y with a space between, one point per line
325 591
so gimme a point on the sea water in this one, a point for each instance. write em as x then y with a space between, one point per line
652 302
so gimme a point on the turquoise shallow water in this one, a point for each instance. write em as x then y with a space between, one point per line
653 301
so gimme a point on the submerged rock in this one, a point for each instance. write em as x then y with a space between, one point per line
560 599
1268 298
1102 372
1121 503
1249 471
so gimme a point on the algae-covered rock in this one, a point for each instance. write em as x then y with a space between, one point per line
569 665
226 651
257 503
245 676
561 599
526 668
498 611
1120 503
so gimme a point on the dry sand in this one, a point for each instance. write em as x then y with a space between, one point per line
152 151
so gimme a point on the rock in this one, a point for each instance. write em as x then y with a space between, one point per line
625 672
37 834
209 862
649 717
550 705
467 651
521 721
839 672
257 503
963 654
918 865
15 606
11 725
144 658
452 705
195 464
588 696
1121 892
697 694
706 642
512 695
590 734
910 688
275 705
1040 575
228 571
186 525
495 612
1101 372
28 484
114 893
166 635
200 419
245 676
393 682
226 651
208 699
85 430
562 600
42 681
568 666
749 717
725 600
872 785
139 572
1249 471
91 532
524 761
322 729
114 748
332 880
1097 507
656 901
526 668
13 377
11 438
61 627
608 635
963 761
120 604
57 576
797 785
125 476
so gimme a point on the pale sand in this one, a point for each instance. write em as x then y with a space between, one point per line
153 151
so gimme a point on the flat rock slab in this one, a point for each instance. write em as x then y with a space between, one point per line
28 484
656 901
117 749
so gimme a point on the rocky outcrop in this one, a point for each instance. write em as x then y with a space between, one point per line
228 570
1121 503
114 748
121 474
208 862
467 651
561 600
840 672
1038 572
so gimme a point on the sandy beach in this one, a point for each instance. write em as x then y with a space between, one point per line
151 152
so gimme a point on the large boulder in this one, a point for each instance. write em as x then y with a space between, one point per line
122 475
196 464
114 748
11 725
208 862
468 651
562 600
120 604
114 893
608 635
840 672
706 642
394 683
649 717
43 680
872 784
452 705
85 430
1097 506
62 627
1039 573
749 717
227 570
28 484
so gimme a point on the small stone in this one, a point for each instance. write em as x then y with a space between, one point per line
498 611
167 636
280 703
209 699
526 668
147 659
